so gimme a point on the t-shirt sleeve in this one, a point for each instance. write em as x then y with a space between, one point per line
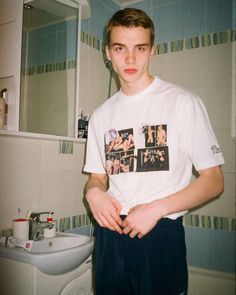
197 135
94 150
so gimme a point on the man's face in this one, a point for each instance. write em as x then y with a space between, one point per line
130 52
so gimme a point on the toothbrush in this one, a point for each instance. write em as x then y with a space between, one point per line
19 212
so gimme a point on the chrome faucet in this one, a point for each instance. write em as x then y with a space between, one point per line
36 226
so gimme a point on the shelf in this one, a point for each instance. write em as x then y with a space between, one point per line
13 133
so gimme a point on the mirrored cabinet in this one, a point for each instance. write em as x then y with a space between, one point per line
40 55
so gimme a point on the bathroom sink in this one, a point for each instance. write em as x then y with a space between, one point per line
53 256
59 243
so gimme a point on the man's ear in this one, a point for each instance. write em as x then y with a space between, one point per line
153 50
107 53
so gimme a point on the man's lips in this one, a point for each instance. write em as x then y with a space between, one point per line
130 71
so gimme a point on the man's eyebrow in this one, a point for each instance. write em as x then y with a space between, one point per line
136 45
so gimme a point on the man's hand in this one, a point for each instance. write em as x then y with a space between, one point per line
105 209
140 220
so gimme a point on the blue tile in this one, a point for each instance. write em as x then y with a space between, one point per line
99 17
106 4
48 48
169 22
71 50
85 25
156 3
219 15
211 249
144 5
61 45
234 14
194 18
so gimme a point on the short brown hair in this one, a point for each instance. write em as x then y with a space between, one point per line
130 17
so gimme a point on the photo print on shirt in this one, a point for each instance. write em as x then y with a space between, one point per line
122 156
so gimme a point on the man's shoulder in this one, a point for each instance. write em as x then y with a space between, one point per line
178 92
176 89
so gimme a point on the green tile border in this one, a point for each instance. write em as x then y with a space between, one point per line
64 224
193 42
233 35
206 40
90 40
210 222
162 48
176 45
49 68
66 147
220 37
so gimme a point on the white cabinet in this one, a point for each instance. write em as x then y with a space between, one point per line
60 111
24 279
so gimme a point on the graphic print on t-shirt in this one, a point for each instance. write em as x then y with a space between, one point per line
122 156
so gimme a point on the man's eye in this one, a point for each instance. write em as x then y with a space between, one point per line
140 48
118 48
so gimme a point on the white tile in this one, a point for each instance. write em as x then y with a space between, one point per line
18 190
225 205
62 192
19 154
228 146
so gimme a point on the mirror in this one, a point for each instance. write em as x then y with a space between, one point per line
49 88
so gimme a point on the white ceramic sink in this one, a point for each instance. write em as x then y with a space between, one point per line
54 256
59 243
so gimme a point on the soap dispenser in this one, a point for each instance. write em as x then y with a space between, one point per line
51 231
2 109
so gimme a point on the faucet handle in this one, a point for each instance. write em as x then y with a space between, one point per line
36 215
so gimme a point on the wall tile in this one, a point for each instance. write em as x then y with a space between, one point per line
223 206
210 249
219 15
143 5
169 22
18 190
228 148
13 155
194 17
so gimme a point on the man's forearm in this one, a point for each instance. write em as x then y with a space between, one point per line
96 182
206 187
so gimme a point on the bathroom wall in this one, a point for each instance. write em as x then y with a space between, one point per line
196 48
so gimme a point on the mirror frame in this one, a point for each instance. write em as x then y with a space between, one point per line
77 78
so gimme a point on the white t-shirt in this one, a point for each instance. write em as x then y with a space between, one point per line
148 143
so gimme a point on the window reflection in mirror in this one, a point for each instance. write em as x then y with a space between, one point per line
48 69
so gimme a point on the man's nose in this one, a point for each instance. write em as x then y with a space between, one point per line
130 58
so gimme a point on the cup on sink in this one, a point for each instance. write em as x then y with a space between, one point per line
20 228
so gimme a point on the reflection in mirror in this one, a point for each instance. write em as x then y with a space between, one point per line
48 74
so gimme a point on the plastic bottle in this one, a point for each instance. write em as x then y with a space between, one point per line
50 232
4 95
2 109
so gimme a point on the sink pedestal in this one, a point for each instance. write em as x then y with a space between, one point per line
24 279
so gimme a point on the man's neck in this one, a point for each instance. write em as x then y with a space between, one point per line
134 88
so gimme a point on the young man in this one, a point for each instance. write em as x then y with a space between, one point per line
140 246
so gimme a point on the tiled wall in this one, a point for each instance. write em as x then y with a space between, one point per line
174 19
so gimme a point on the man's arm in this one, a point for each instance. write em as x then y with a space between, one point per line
142 218
105 208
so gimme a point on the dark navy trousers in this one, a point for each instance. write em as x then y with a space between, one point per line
153 265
